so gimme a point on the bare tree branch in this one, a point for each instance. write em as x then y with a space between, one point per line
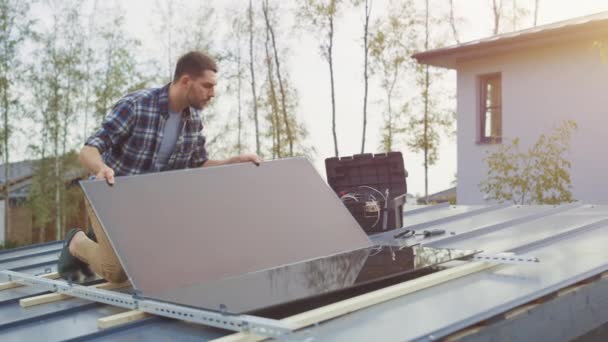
453 22
253 85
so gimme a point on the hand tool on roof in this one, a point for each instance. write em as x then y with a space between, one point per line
408 233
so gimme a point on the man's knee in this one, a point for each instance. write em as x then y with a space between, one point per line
115 276
113 272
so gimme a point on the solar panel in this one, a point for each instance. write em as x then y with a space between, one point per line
241 238
307 279
177 229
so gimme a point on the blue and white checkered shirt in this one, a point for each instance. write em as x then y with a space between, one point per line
130 136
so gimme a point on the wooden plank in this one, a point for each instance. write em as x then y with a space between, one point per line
368 299
13 284
121 318
520 310
457 336
570 289
54 297
42 299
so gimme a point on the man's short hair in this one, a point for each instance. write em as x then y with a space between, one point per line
193 64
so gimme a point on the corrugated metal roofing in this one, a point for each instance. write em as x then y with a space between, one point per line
557 33
570 241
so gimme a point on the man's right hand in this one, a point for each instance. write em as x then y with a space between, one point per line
106 173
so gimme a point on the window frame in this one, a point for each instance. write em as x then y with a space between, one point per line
483 81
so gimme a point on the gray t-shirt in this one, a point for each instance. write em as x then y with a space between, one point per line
170 135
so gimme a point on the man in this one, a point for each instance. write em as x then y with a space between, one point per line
150 130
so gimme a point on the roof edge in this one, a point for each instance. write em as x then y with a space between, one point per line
571 29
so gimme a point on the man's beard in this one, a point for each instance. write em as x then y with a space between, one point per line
197 105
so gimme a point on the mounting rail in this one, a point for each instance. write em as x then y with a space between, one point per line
246 323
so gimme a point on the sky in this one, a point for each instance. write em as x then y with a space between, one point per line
311 77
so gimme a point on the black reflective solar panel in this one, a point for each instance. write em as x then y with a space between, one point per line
323 276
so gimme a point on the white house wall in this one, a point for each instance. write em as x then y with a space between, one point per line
541 87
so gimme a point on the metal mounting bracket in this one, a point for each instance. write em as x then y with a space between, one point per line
246 323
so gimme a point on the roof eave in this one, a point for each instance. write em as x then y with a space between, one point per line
450 57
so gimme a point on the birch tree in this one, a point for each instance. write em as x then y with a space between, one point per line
235 71
271 102
453 23
319 16
58 77
281 98
238 34
497 12
366 47
116 73
512 11
14 31
254 96
392 42
277 64
368 11
90 59
518 14
424 130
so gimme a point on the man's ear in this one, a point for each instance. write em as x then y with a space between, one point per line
184 79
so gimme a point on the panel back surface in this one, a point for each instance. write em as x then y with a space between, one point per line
177 229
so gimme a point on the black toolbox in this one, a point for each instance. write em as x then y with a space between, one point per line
372 187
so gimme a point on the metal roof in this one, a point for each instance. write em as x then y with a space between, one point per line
595 25
570 241
17 170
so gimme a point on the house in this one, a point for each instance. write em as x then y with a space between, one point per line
21 229
525 83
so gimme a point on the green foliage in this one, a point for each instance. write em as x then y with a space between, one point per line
57 79
41 197
279 98
117 73
432 116
14 32
539 175
8 244
59 75
316 14
437 121
317 17
276 124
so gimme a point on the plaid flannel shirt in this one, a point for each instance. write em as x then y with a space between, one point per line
130 136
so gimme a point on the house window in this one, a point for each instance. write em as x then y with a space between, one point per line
490 109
